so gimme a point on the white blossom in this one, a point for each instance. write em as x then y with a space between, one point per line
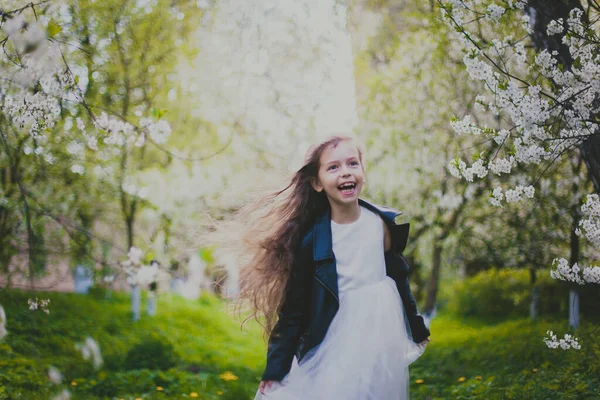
568 342
500 136
54 375
566 273
135 254
78 169
159 131
494 12
453 168
501 165
590 223
591 274
39 304
555 27
146 274
529 191
497 197
90 351
480 103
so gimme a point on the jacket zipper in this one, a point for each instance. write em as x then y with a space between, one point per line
327 287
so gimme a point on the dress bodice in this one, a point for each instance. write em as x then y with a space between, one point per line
359 250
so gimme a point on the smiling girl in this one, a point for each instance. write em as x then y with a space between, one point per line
325 270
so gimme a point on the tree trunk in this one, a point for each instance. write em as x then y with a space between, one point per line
434 278
573 309
575 247
129 220
136 301
590 152
533 306
574 258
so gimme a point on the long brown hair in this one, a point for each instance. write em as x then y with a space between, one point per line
270 231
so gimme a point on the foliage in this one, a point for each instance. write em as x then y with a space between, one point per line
546 100
472 359
151 353
82 112
505 293
201 341
496 359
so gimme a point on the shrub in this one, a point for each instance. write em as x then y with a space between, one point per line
98 292
503 293
154 352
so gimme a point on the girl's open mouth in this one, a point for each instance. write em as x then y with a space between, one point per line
347 189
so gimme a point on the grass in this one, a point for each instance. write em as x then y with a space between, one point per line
213 359
505 360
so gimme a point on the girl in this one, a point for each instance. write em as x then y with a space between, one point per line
326 271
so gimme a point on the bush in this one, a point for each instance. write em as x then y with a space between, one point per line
503 293
98 292
154 353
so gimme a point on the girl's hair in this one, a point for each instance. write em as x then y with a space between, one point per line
271 231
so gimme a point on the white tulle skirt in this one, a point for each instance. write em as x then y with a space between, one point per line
364 356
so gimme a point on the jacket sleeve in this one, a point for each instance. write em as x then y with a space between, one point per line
416 322
286 334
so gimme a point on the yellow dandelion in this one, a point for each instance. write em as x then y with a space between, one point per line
73 383
219 392
462 379
138 398
160 388
193 394
228 376
479 377
419 381
534 370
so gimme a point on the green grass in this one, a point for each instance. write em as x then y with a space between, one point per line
207 342
506 360
498 360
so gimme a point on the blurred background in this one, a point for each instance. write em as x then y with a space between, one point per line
129 126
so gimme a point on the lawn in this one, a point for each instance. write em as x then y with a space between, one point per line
197 350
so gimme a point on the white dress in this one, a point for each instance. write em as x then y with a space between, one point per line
367 349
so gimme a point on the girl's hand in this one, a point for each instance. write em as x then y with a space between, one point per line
265 384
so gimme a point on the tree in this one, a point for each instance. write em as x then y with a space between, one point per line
74 126
407 84
547 99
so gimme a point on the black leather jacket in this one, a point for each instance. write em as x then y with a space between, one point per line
312 300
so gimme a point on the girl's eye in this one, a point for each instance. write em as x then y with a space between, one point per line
331 166
354 162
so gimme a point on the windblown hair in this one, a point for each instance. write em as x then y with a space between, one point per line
270 235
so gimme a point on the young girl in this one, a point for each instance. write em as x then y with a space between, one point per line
325 270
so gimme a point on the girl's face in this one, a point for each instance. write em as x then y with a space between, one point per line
341 174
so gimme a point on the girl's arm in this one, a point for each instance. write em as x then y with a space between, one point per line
285 336
419 330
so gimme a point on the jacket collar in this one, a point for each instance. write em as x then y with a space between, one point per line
322 240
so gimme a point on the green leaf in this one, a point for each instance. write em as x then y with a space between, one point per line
206 254
53 29
158 113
